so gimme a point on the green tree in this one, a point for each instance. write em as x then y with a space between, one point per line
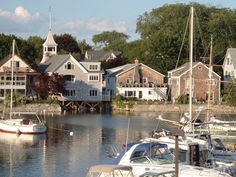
37 43
229 96
110 40
67 43
163 30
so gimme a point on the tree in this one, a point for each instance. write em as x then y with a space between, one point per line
37 43
67 43
110 40
56 84
163 29
230 94
41 85
83 45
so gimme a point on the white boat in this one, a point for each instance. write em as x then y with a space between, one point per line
20 125
156 158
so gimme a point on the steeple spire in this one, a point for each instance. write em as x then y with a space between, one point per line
49 46
50 18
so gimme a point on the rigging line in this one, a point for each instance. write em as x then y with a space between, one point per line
182 44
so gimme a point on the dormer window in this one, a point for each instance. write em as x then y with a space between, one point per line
69 66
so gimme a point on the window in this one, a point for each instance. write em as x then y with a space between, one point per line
93 93
149 92
93 67
70 93
69 66
93 78
129 93
128 80
16 64
70 78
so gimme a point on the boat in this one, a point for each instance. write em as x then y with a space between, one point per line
109 170
156 158
18 125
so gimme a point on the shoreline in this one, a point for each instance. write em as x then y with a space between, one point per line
51 109
179 108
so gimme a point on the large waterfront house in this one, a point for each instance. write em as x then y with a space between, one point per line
83 79
23 75
229 65
205 82
136 80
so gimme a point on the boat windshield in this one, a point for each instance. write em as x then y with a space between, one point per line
152 153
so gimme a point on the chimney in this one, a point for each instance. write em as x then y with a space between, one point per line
136 62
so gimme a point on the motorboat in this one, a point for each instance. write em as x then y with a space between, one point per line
154 157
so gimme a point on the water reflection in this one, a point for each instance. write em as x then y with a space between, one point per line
57 154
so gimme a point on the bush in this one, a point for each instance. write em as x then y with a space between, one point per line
182 99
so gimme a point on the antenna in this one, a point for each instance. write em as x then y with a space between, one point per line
50 18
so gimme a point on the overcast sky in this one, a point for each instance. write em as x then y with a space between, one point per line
81 18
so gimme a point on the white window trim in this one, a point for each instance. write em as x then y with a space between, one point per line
90 80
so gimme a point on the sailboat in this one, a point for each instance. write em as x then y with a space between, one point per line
20 125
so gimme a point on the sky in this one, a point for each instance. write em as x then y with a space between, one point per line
81 18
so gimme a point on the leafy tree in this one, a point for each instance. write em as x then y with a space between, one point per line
56 84
110 40
67 43
37 43
41 85
230 94
163 29
84 46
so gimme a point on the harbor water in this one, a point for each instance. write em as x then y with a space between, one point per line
73 143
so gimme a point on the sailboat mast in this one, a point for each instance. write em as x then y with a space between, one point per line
12 75
191 62
209 81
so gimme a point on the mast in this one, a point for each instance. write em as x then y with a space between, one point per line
209 81
191 62
12 75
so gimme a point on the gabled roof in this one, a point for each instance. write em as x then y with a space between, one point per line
185 68
101 55
8 57
53 63
50 40
56 61
124 68
232 53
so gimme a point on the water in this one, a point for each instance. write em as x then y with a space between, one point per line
57 154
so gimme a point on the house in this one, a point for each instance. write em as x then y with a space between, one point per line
136 80
100 55
202 86
23 74
83 79
229 64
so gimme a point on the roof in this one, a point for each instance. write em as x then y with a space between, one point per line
185 68
232 52
50 40
8 57
121 69
100 55
53 63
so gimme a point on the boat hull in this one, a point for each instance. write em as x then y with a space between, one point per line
16 126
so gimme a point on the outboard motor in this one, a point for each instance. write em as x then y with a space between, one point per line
194 155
